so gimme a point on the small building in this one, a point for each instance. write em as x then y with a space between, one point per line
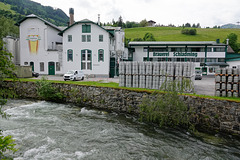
206 55
151 23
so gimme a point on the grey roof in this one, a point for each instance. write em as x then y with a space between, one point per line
34 16
174 43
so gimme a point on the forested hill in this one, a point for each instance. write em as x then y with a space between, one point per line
17 9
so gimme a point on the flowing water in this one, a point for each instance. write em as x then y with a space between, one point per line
46 131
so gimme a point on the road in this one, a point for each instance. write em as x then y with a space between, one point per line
206 86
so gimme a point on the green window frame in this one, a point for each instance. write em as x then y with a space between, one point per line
101 38
86 59
100 55
86 28
70 55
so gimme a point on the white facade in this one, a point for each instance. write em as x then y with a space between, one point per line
39 41
82 46
90 51
201 53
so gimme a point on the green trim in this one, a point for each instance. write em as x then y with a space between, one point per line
148 53
83 22
99 55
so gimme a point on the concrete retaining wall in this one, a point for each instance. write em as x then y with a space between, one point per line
211 114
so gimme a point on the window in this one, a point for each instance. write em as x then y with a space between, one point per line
88 38
69 38
83 38
100 55
100 38
57 66
25 63
86 28
70 55
86 59
41 66
219 49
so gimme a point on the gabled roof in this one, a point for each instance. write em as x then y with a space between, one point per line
34 16
83 21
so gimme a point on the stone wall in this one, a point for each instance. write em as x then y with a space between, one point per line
213 115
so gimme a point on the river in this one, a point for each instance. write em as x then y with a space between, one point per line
51 131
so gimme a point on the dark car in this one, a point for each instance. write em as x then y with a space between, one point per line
35 74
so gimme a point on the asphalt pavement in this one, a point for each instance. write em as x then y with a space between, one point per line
206 86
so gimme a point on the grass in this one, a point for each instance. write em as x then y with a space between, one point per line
6 7
174 34
116 86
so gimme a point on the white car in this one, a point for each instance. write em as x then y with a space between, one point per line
74 75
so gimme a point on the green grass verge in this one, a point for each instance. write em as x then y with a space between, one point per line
6 7
116 86
174 34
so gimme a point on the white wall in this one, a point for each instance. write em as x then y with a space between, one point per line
98 68
47 34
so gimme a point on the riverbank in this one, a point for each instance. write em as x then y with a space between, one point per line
210 114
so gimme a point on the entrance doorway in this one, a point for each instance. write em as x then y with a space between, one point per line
51 68
32 64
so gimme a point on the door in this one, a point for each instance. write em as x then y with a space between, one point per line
32 64
51 68
112 68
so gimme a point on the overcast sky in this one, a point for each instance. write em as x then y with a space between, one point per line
206 12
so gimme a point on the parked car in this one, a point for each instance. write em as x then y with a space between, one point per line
35 74
74 75
198 75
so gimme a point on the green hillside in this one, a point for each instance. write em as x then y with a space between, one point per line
17 9
174 34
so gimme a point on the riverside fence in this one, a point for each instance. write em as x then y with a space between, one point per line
153 75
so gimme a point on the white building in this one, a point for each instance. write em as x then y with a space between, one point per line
40 45
207 55
89 47
84 45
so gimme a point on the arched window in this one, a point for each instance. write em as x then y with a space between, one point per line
70 55
100 55
86 59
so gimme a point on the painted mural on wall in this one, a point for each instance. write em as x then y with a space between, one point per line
33 40
33 43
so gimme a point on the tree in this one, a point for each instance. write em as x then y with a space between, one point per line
188 25
6 70
149 37
120 22
143 23
233 42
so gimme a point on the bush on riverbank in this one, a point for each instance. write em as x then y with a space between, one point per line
168 109
47 92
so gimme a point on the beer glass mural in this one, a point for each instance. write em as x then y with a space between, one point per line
33 40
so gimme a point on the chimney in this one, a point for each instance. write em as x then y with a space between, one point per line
99 19
227 40
71 13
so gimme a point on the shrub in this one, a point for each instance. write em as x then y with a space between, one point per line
48 92
189 31
168 108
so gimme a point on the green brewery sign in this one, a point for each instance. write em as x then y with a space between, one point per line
176 54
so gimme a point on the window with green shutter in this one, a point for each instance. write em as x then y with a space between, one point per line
86 28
